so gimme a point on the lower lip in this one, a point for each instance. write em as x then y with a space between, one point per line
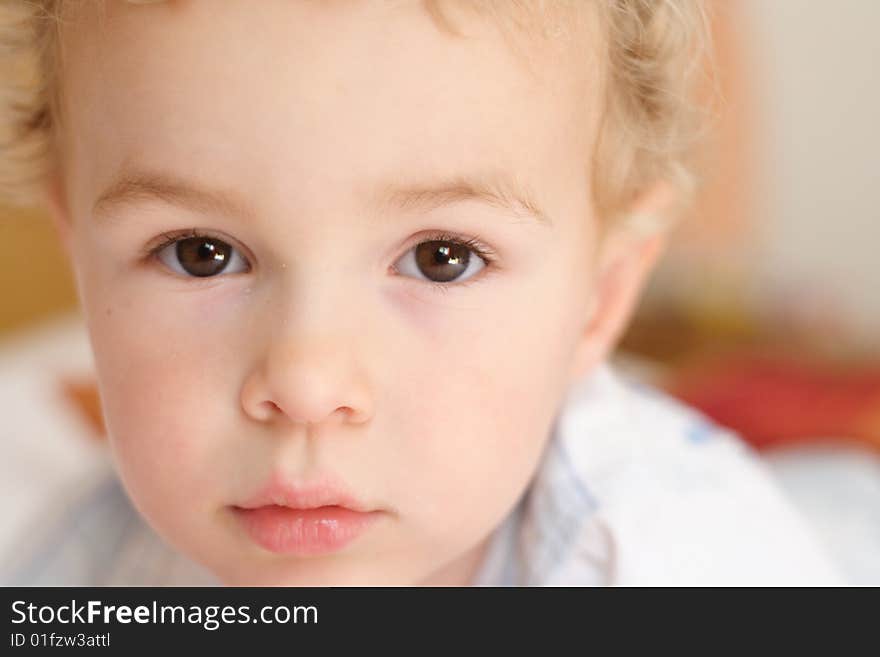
304 532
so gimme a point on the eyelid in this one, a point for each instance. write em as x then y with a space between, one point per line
169 237
475 243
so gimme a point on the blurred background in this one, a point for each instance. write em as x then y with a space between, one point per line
764 314
766 310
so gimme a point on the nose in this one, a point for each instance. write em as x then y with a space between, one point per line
309 381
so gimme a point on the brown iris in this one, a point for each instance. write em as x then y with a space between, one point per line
203 256
442 261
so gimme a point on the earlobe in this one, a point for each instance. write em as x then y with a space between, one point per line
626 258
619 283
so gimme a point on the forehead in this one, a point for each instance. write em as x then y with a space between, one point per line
288 100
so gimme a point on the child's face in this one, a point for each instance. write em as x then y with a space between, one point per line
337 138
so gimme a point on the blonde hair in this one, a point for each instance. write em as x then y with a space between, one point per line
654 56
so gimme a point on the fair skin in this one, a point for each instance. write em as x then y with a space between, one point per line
321 348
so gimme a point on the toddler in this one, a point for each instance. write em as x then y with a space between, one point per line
352 272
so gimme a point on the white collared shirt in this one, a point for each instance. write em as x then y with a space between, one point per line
635 488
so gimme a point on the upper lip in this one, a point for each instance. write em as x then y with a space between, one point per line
322 491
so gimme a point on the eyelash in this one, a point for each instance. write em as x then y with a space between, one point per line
475 244
170 238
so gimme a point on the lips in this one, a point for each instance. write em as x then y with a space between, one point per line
310 520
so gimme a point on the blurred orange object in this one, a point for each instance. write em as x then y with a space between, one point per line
777 401
83 395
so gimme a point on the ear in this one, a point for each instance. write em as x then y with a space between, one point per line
626 256
57 207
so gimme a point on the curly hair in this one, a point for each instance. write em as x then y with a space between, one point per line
654 59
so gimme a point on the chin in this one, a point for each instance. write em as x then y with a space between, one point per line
316 572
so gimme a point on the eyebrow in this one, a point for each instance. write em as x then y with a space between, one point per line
133 186
499 191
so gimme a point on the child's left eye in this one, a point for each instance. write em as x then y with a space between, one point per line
200 256
444 259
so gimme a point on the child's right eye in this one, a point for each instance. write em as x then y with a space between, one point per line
197 255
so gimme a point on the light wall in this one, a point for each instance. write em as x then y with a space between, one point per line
35 280
815 66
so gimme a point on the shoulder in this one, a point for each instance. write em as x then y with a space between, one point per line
679 499
98 539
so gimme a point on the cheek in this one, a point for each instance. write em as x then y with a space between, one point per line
475 399
165 405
